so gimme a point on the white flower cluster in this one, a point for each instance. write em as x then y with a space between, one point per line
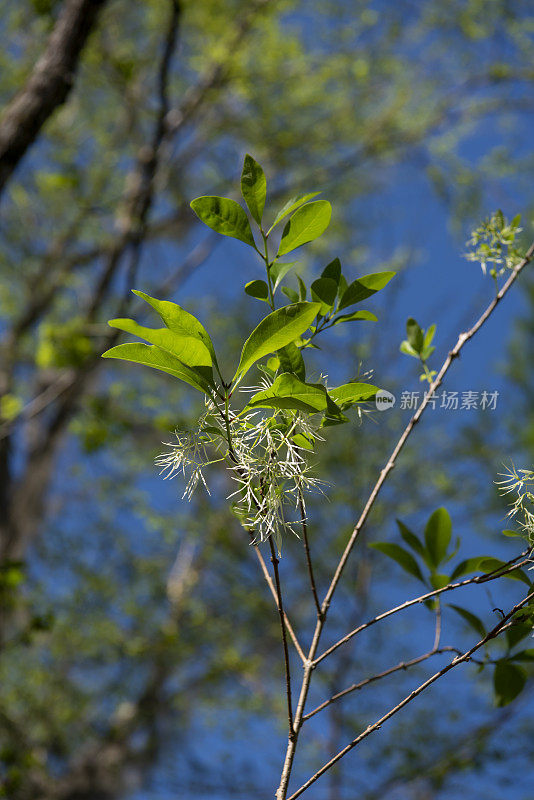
493 243
264 457
521 483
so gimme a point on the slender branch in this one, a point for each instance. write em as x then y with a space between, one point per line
280 606
437 635
453 354
459 659
270 584
308 554
490 576
403 665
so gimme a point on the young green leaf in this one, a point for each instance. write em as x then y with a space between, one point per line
413 541
487 564
302 288
178 320
429 335
407 349
349 393
307 223
279 270
289 392
517 632
355 316
151 356
324 291
224 216
291 360
415 335
292 205
332 271
471 619
291 294
257 289
274 332
438 535
254 187
508 682
401 556
364 287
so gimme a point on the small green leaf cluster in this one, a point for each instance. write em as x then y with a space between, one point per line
493 244
285 412
418 344
425 560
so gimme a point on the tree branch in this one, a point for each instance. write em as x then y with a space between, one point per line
49 84
280 606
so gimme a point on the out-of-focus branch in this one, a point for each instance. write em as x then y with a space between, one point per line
48 85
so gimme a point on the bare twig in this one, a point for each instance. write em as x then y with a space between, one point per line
502 625
280 606
403 665
308 554
490 576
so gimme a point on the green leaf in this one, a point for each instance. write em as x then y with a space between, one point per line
178 320
292 205
258 289
407 349
364 287
324 291
508 682
291 361
254 187
333 271
224 216
306 224
415 335
279 270
513 534
343 286
413 541
356 315
517 632
289 392
429 336
438 535
349 393
291 294
303 441
487 564
471 619
302 288
151 356
401 556
274 332
189 349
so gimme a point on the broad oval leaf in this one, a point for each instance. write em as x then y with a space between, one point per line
364 287
274 332
487 564
438 535
151 356
414 335
508 682
289 392
307 223
257 289
292 205
190 350
401 556
332 271
349 393
324 291
254 187
178 320
224 216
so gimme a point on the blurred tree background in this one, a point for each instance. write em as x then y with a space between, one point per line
139 647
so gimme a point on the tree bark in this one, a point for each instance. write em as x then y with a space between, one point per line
48 85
